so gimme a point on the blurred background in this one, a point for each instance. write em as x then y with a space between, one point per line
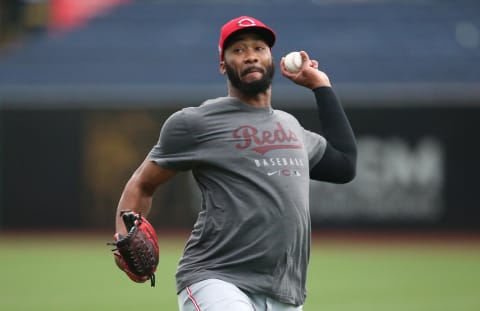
86 85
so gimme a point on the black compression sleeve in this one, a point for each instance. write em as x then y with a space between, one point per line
338 163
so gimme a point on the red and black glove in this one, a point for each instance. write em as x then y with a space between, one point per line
137 253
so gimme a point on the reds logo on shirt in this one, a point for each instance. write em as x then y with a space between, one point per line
264 141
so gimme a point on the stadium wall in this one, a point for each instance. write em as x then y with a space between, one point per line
417 168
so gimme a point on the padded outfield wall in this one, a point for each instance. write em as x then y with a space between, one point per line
79 110
417 168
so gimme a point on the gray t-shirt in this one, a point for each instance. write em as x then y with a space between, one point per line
252 167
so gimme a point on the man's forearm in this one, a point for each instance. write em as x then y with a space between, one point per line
338 163
335 126
133 198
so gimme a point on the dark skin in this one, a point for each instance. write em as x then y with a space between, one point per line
250 52
250 56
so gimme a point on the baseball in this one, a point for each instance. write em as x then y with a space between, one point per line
293 62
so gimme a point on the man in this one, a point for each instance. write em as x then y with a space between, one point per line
249 248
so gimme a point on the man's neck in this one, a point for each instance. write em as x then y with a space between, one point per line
259 100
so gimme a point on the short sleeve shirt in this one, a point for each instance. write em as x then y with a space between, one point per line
252 167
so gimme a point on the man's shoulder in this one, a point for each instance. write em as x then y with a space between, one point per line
217 103
212 106
196 116
284 115
205 106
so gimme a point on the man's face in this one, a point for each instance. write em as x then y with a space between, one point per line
248 64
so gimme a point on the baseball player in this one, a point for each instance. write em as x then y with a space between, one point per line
249 248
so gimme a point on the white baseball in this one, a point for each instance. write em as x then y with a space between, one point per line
293 62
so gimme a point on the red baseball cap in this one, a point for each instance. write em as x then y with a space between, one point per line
242 23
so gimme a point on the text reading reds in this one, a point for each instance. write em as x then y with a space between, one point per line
264 141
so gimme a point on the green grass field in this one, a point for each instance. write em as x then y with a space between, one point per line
73 273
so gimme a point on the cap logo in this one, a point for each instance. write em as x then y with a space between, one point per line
246 22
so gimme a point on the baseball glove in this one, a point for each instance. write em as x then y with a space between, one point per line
137 253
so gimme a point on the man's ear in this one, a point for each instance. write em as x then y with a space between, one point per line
222 68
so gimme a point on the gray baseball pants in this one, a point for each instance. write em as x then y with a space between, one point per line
217 295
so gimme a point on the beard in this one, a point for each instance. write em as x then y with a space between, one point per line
253 88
